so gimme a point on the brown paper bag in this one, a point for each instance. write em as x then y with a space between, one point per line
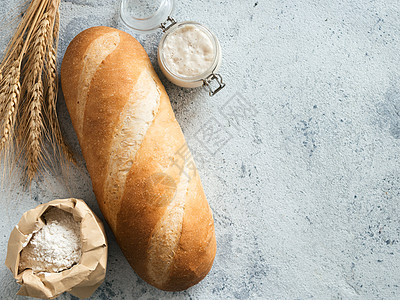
82 279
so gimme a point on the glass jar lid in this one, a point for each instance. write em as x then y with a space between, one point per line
146 15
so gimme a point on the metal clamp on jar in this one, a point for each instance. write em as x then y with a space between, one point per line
189 54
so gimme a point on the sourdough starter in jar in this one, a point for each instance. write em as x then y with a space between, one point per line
188 51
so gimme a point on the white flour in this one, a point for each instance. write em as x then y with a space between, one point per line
55 247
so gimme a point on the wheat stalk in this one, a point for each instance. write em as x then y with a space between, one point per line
28 90
52 84
33 89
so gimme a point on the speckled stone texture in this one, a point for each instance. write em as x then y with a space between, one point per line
299 154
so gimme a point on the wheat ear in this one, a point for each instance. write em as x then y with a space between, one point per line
11 93
35 131
14 74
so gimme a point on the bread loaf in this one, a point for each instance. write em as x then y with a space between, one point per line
142 173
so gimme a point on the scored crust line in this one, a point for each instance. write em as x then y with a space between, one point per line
95 54
167 233
136 118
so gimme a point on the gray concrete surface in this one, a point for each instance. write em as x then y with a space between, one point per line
305 191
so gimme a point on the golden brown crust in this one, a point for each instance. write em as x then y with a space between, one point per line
197 246
73 63
101 118
143 207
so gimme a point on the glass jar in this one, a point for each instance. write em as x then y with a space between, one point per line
145 16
